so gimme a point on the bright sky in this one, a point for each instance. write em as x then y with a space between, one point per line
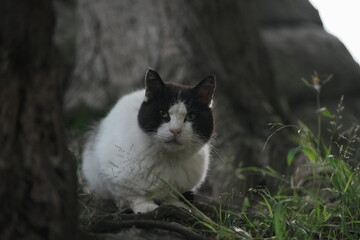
342 19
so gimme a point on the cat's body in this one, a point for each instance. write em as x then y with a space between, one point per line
149 136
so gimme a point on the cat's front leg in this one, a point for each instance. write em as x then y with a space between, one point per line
142 205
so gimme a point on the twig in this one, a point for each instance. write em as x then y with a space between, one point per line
107 226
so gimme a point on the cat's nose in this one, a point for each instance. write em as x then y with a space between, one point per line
175 131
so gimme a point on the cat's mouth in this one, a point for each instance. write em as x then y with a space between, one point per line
174 145
173 142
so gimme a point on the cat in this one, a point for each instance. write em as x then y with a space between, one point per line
152 138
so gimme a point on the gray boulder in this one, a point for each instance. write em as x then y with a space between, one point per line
299 45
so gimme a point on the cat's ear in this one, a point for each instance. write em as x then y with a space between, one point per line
153 84
205 90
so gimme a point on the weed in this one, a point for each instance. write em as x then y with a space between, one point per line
326 204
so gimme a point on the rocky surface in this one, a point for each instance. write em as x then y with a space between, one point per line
292 31
299 46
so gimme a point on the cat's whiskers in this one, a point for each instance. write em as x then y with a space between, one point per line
193 139
212 147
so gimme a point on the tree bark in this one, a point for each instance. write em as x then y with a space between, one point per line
38 183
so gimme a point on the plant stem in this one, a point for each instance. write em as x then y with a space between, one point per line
318 121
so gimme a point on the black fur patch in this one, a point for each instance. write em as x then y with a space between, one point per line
149 117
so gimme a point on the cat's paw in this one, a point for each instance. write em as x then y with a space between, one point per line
144 207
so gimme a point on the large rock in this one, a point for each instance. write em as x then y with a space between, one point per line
299 45
293 33
117 41
274 13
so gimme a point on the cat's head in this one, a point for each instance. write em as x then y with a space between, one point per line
177 116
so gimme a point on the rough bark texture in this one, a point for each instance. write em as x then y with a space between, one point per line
38 184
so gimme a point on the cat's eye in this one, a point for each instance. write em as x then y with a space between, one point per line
190 117
164 114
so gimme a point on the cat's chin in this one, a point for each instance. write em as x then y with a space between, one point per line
173 146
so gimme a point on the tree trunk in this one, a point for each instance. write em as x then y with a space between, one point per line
38 183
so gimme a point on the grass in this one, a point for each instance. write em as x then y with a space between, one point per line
324 204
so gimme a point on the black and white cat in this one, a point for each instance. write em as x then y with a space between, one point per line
161 132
